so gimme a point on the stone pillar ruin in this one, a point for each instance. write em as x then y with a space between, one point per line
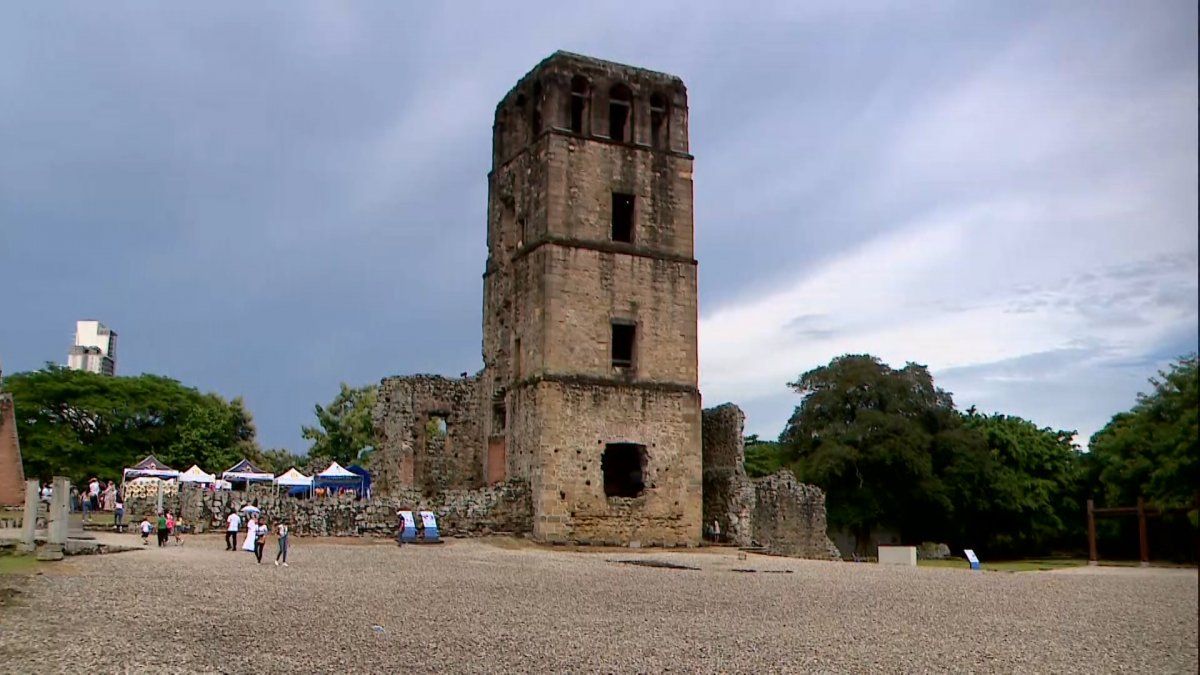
728 492
58 520
29 521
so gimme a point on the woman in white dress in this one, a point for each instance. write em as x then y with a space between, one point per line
251 532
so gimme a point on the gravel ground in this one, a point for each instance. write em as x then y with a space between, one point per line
502 605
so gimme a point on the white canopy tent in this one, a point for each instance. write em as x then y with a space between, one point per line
336 470
196 475
293 478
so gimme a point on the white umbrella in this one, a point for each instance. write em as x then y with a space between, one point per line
251 507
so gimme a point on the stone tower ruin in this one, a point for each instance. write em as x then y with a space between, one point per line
585 424
589 318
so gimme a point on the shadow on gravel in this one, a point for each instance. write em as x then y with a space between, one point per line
656 563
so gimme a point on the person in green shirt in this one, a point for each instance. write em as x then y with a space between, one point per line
162 529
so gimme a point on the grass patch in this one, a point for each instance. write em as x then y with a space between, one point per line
1029 565
17 564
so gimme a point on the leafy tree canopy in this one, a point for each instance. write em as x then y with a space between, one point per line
763 458
80 424
873 438
1152 450
344 428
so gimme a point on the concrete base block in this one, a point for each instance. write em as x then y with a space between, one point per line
898 555
50 552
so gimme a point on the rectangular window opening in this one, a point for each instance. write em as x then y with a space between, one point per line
622 217
499 417
516 359
624 468
618 120
437 426
624 335
656 128
577 107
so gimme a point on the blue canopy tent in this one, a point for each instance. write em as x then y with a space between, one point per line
366 479
337 478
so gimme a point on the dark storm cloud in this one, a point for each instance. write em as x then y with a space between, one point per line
266 200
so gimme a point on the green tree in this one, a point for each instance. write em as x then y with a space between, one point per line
763 458
1152 450
876 440
79 424
1022 495
344 428
215 434
279 460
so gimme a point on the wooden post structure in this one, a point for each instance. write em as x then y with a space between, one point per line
1093 559
1143 535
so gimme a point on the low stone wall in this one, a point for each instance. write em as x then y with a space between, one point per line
789 518
506 507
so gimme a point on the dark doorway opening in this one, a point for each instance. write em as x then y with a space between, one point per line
624 466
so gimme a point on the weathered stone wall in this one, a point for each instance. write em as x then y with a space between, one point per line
500 508
410 453
576 422
728 492
12 472
789 518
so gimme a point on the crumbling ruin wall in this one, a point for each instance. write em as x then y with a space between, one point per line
503 508
728 492
12 472
777 512
413 451
789 518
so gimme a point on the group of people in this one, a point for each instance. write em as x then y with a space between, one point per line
93 496
167 526
256 536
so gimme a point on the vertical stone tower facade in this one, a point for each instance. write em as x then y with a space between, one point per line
589 317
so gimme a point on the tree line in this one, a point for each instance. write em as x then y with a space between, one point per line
892 452
80 424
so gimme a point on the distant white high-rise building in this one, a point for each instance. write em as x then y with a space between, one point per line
95 348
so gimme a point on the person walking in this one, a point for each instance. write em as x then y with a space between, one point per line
177 530
145 527
110 496
251 533
85 505
170 524
232 523
260 541
283 544
94 493
162 529
119 515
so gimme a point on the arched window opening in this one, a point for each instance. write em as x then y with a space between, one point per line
620 122
658 121
580 88
624 468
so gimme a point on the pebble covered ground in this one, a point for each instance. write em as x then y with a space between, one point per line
501 605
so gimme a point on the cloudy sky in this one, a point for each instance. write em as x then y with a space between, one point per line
265 199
